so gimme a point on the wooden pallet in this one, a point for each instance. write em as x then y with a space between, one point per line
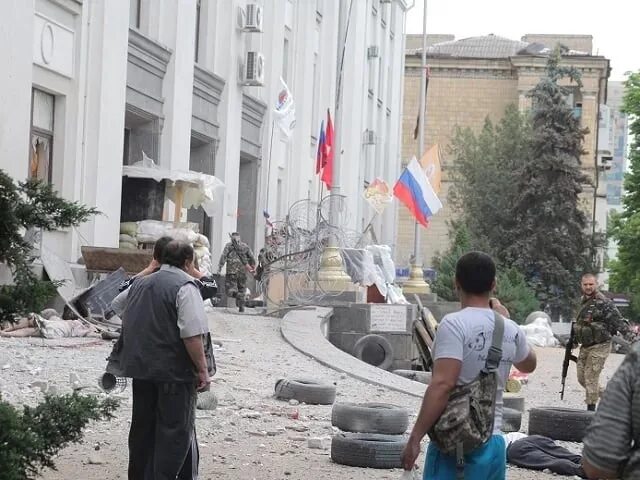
106 260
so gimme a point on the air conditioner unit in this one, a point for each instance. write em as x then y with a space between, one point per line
369 137
386 1
605 162
252 73
250 19
373 51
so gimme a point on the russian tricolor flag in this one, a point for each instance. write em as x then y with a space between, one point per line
414 190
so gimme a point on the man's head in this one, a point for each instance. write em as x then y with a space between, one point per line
589 284
158 248
178 254
476 274
235 237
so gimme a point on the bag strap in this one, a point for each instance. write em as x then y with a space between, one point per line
495 351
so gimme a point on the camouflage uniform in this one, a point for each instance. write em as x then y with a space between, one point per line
597 321
237 255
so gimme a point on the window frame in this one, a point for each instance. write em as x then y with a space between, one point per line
43 133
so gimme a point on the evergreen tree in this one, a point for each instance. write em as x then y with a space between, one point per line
625 227
551 245
30 204
484 179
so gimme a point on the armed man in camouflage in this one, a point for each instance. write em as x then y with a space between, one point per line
596 322
239 259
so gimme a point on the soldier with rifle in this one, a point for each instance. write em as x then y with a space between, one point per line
597 321
239 259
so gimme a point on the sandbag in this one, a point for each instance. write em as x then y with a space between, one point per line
128 245
202 241
129 228
127 238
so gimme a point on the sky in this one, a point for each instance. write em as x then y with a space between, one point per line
610 22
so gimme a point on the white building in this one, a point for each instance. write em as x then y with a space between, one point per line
92 84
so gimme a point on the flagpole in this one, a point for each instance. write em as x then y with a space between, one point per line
416 283
331 273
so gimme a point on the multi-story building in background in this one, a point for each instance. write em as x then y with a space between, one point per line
614 132
93 85
474 78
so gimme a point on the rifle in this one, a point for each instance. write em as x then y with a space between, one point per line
567 358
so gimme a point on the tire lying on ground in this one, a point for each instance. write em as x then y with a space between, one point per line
368 450
510 400
305 390
415 375
559 423
374 350
511 420
370 418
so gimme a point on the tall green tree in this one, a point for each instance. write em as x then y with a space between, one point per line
485 178
551 245
625 227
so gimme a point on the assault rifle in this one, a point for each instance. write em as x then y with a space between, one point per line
567 358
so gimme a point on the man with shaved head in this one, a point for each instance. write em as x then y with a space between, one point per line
597 321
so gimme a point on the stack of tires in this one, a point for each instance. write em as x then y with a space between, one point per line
372 434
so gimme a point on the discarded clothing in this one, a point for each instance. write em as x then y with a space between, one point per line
536 452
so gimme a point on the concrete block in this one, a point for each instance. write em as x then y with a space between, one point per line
353 318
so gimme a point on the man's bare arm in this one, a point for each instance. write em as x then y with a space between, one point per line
529 364
195 349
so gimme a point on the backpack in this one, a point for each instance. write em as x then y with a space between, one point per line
467 420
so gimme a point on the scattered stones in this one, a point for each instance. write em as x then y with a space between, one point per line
229 439
43 385
258 433
207 401
250 414
298 428
315 442
96 459
294 402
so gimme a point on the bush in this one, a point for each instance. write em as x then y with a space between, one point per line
31 437
512 289
30 205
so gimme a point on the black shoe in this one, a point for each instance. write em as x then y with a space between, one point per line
591 407
241 309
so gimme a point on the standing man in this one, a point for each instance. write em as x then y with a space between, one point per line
162 350
460 352
239 259
597 320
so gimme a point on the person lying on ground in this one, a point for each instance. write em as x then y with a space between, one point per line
612 441
36 326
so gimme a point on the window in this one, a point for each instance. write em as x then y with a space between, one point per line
197 46
134 13
285 59
40 156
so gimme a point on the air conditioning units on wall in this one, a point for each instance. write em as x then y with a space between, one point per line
252 71
373 51
386 1
250 19
369 137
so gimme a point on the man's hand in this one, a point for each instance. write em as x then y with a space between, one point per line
410 454
204 381
498 307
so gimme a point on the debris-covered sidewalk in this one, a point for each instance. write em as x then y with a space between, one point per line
250 434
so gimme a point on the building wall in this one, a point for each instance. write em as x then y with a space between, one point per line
463 92
125 88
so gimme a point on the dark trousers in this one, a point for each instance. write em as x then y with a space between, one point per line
162 432
539 453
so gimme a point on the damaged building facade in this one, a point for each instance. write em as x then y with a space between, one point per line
93 86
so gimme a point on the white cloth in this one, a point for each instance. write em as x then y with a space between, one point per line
466 336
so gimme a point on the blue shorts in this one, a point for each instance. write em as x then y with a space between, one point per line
487 462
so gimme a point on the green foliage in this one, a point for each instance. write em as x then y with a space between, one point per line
624 228
511 286
550 244
30 204
485 178
31 437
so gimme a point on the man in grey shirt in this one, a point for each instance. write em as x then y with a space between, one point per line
162 350
611 444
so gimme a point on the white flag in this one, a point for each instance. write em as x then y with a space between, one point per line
285 111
